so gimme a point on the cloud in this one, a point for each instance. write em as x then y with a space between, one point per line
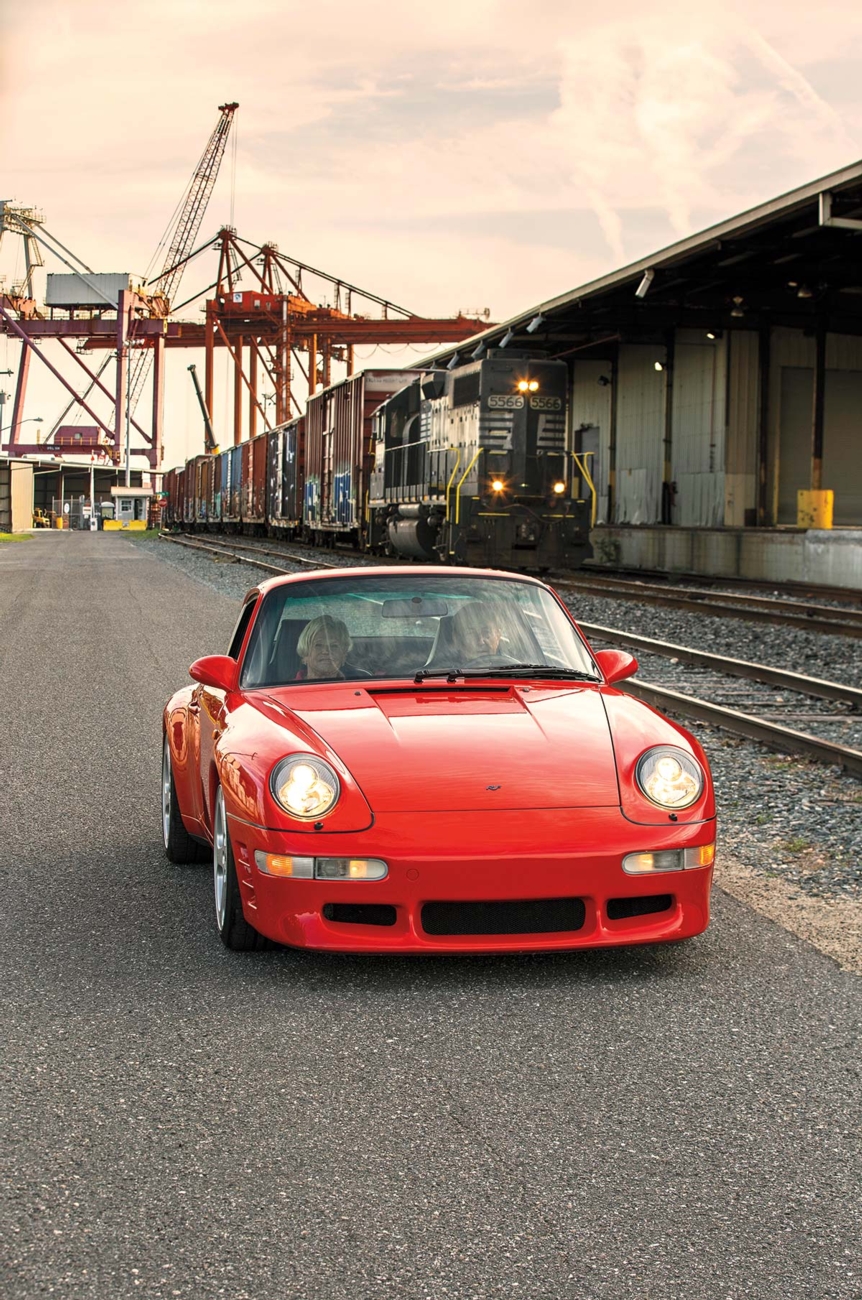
455 155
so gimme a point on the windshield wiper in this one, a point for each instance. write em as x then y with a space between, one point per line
507 670
531 670
451 674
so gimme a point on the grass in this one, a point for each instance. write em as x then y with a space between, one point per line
14 537
795 845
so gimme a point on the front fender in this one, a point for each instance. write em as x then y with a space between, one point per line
179 725
248 749
635 728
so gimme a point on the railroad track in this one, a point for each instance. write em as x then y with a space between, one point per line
827 619
766 731
810 591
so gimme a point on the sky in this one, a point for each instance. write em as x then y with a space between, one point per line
461 155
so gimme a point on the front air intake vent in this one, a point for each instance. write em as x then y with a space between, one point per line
360 913
509 916
619 909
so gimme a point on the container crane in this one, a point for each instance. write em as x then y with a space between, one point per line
181 233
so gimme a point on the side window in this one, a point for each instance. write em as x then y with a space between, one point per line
241 627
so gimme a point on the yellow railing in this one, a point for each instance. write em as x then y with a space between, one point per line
461 484
452 477
581 460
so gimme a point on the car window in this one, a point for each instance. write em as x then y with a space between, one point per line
395 626
241 626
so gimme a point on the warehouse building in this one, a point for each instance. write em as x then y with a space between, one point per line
716 388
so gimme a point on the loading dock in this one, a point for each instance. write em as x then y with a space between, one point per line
718 387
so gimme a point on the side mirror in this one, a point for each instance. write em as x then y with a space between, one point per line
216 670
616 665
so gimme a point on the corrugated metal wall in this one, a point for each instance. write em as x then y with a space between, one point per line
698 428
740 456
640 433
790 421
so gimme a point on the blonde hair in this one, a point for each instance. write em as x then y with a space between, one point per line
327 628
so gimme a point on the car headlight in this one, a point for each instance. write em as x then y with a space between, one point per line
669 777
305 786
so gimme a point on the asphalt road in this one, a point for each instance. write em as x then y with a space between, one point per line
182 1121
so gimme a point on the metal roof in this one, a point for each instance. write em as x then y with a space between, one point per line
739 273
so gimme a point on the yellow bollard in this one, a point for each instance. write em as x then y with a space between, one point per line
814 508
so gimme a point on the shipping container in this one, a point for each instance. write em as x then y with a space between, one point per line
98 289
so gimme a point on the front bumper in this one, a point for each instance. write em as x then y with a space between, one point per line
478 857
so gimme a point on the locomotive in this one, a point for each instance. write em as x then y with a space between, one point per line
471 467
461 466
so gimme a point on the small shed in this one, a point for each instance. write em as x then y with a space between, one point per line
131 505
16 495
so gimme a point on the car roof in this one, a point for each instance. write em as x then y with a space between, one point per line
395 570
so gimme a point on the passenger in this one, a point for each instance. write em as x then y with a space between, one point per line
323 647
477 634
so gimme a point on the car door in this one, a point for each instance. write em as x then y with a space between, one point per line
212 712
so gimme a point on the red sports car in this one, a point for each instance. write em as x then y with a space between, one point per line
432 760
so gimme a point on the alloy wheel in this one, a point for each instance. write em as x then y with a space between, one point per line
220 859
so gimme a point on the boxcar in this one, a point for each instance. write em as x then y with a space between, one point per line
339 453
285 452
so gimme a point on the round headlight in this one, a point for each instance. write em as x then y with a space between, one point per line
669 777
305 786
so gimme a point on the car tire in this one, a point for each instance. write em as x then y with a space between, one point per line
233 928
179 845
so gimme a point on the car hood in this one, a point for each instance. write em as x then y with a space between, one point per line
466 749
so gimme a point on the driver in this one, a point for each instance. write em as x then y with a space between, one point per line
476 633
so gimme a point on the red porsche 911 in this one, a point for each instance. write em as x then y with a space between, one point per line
432 760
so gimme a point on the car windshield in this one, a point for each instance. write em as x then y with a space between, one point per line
333 629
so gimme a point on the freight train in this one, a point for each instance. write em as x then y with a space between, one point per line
461 466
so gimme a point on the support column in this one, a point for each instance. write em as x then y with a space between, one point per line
350 359
667 456
312 364
763 367
818 410
156 451
612 440
209 360
252 388
20 397
123 308
282 368
327 363
237 392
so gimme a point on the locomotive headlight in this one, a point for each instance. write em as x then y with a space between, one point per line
497 485
533 385
559 488
523 385
305 786
669 777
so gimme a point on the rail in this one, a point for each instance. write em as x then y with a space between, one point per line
753 609
770 734
787 680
